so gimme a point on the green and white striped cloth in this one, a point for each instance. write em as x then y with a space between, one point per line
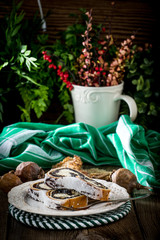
121 143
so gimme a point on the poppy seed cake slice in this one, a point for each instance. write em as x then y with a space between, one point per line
56 198
68 178
38 190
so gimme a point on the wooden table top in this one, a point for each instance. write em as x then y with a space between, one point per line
142 222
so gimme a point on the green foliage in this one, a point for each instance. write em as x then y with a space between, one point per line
65 99
142 85
34 98
21 64
69 46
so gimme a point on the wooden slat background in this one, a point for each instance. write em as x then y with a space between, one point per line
127 17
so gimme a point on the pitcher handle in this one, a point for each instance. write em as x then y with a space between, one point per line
131 104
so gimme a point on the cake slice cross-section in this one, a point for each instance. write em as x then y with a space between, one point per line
59 198
38 190
67 178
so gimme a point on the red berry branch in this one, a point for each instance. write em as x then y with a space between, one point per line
94 66
63 75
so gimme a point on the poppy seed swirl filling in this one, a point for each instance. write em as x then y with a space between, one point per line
74 173
41 185
63 193
68 178
59 198
37 191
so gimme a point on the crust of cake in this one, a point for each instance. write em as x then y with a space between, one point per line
75 202
70 162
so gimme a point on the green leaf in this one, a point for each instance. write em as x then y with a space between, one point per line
21 59
33 59
148 71
146 61
71 57
20 17
32 62
3 65
145 66
68 112
68 107
79 27
133 71
69 35
148 94
28 64
147 85
15 69
12 58
18 5
142 107
134 82
15 31
140 83
42 38
23 48
27 53
152 109
25 116
71 40
28 78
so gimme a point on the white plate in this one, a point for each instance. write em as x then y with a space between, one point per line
19 198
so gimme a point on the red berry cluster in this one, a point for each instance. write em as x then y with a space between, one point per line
46 56
63 75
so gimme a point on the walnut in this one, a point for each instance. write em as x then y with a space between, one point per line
29 171
8 181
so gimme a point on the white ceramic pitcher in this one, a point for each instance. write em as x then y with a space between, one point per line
99 106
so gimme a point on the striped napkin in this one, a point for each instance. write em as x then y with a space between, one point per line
121 143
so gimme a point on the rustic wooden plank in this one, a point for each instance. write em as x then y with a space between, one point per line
148 215
3 215
124 21
126 229
126 16
21 231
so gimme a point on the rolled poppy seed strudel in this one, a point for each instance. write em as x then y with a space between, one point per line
57 198
38 190
64 198
68 178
